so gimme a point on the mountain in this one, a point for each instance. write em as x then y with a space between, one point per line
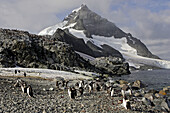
90 34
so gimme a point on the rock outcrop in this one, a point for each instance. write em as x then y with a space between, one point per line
19 48
112 65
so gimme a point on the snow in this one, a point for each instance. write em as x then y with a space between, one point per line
76 10
51 30
44 73
118 44
129 53
136 59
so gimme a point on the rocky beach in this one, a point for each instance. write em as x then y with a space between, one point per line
50 99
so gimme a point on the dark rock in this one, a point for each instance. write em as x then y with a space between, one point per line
112 65
19 48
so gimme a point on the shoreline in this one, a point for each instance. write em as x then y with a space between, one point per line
50 99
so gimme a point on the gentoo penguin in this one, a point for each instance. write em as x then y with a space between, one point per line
57 84
63 83
17 84
111 91
128 92
25 74
81 83
69 92
72 92
19 71
66 84
90 87
29 91
98 87
15 71
24 88
81 90
126 103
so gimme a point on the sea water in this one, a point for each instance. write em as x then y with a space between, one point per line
154 79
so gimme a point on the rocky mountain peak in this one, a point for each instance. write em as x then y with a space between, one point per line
92 23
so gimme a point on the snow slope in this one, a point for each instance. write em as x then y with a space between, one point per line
45 73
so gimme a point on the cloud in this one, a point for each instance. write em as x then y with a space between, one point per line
32 15
147 20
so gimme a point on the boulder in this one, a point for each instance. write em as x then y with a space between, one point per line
167 89
163 93
112 65
166 105
138 84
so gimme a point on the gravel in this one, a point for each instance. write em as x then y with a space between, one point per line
57 100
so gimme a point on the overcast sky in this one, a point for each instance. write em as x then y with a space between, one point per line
147 20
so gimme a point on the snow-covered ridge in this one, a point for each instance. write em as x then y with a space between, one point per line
118 44
51 30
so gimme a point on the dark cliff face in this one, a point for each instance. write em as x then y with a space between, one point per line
20 48
93 24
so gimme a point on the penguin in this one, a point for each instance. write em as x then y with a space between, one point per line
126 103
29 91
125 93
57 84
90 88
69 92
81 90
66 84
15 71
25 74
63 83
112 92
98 87
24 88
19 71
91 85
81 83
72 92
17 84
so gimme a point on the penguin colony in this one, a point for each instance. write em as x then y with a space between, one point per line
84 86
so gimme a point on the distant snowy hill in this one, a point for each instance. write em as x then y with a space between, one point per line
95 36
